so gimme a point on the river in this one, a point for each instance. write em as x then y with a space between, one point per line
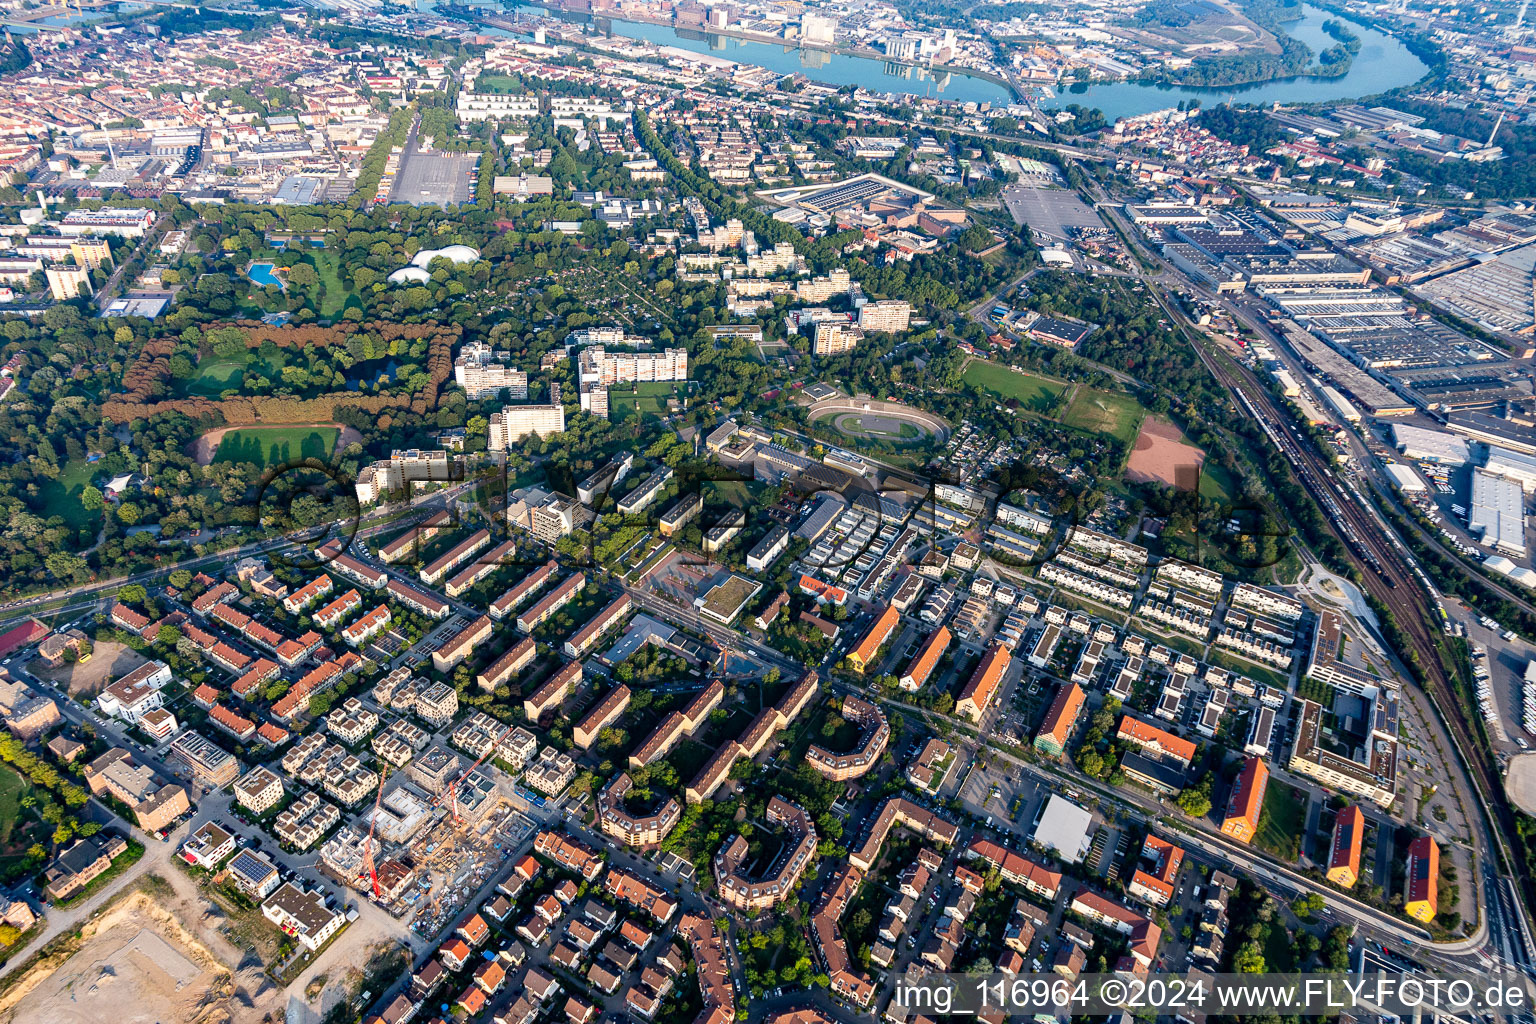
817 65
1383 63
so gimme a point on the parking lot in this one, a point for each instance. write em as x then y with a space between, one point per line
1049 212
441 179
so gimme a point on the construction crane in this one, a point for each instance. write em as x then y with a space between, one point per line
452 792
373 824
724 661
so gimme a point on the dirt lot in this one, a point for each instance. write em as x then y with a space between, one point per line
138 964
108 662
1163 455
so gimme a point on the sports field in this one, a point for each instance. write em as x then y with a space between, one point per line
648 399
1217 485
1034 394
1105 412
1163 455
271 446
858 426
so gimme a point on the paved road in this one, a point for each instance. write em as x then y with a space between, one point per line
108 290
1208 840
94 593
157 856
1467 772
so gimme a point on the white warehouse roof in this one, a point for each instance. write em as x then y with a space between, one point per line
1498 510
1406 479
1430 445
1519 573
1514 465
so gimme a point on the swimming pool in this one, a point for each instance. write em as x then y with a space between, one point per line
261 274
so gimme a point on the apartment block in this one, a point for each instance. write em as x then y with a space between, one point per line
259 790
209 764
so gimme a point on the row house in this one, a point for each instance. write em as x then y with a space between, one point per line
367 627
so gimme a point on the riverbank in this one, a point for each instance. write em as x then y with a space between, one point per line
763 38
1382 63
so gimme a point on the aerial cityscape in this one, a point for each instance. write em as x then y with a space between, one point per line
779 511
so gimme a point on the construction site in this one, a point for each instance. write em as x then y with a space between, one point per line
437 832
153 956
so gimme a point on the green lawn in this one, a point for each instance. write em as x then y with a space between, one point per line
1282 821
649 398
215 374
736 493
904 432
1279 953
856 432
1252 669
336 294
688 757
269 446
61 497
11 787
1217 485
498 83
13 843
1034 394
1105 412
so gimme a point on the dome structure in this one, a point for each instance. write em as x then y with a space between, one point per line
456 253
409 274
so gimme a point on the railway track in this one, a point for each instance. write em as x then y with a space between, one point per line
1390 576
1399 584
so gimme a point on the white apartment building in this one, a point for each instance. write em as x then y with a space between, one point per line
1102 592
582 106
1256 647
1269 602
134 695
129 223
780 258
484 106
649 490
259 789
1193 576
302 915
405 468
834 337
515 422
889 315
1181 619
65 283
598 366
483 372
820 289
